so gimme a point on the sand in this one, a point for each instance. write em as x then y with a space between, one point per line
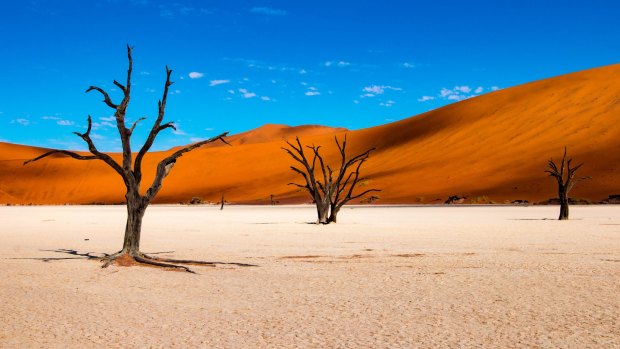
383 277
493 147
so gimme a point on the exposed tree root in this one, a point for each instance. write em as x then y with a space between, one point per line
160 264
107 260
195 262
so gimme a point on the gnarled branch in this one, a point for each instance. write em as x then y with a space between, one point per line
164 165
91 147
65 152
106 98
157 127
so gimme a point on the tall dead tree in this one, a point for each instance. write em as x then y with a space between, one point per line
336 187
130 169
565 176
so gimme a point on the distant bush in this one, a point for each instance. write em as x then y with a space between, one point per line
195 201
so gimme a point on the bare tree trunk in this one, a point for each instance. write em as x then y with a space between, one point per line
333 217
322 212
222 203
563 204
135 212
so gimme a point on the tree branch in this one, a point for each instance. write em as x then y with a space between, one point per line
106 97
166 164
157 127
92 148
65 152
121 86
133 127
298 185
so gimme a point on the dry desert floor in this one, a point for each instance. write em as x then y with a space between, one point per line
383 277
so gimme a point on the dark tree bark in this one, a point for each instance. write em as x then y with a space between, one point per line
336 188
565 177
130 169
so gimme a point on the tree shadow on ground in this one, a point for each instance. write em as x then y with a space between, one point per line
102 257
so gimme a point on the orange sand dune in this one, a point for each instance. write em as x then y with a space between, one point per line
492 147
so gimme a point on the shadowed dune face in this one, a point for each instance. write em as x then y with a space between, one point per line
493 147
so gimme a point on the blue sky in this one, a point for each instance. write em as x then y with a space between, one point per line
241 64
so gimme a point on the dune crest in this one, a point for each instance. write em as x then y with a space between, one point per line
489 148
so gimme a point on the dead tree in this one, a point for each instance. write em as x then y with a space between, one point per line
130 169
336 187
565 176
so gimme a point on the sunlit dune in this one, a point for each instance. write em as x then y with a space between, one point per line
489 148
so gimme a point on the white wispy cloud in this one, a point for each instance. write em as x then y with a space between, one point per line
445 92
195 75
105 121
65 122
218 82
312 91
174 9
268 11
246 94
21 121
340 64
303 71
145 73
265 98
373 90
425 98
459 93
408 65
457 97
178 131
495 88
47 117
388 103
379 90
464 89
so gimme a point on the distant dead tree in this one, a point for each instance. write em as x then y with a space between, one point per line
336 187
131 171
565 176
